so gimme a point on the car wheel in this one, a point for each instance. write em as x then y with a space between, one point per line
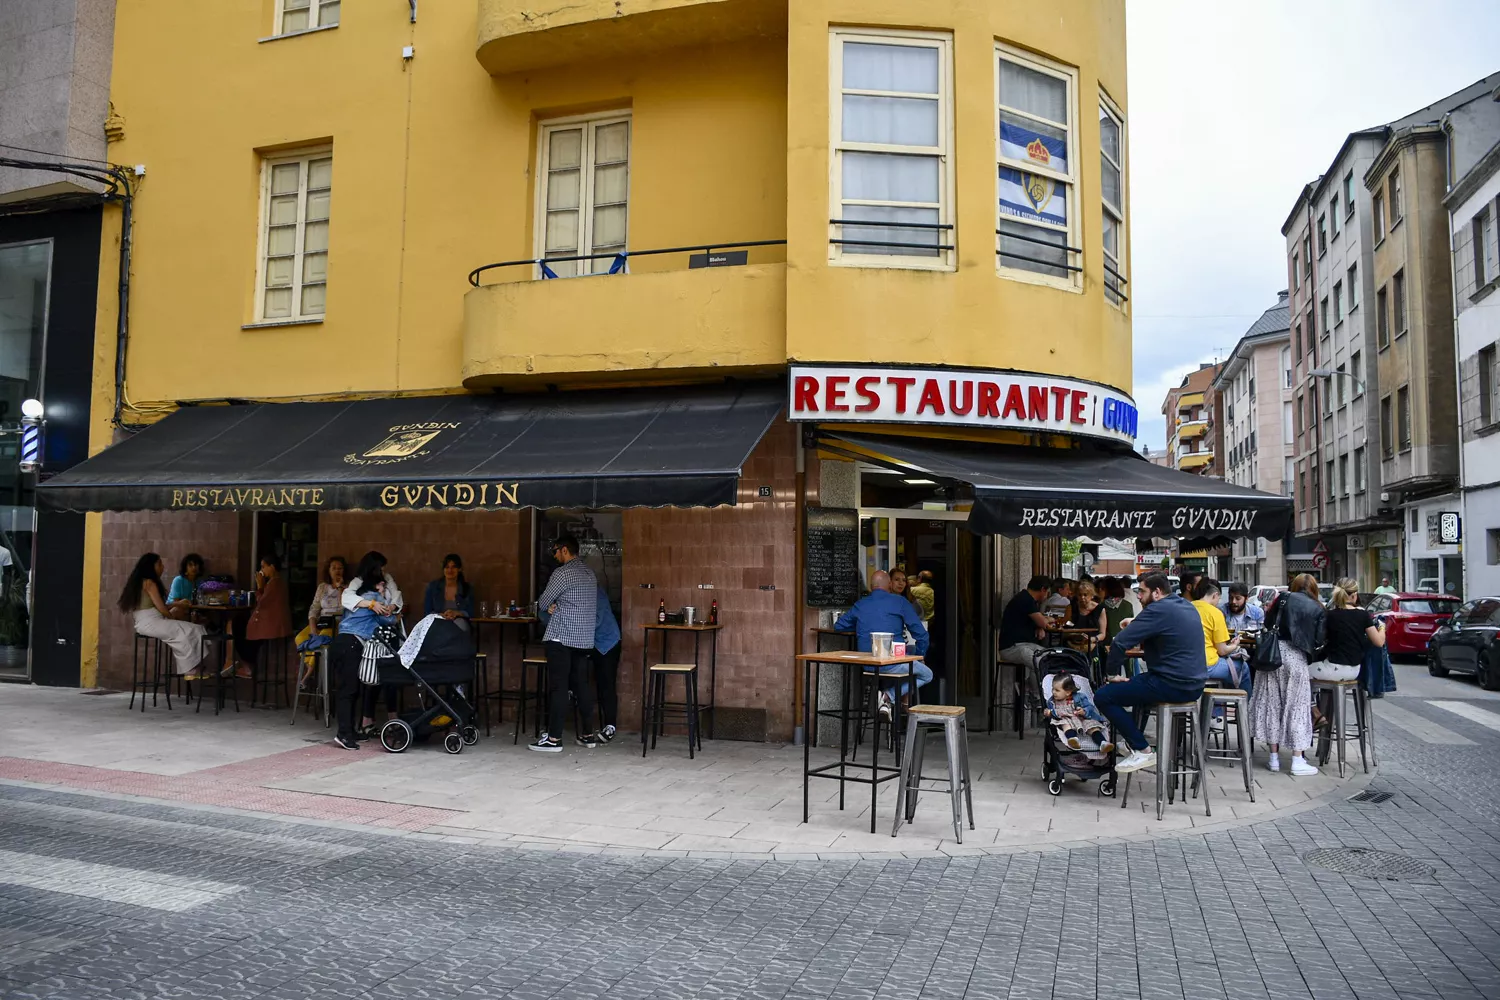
1434 669
1487 673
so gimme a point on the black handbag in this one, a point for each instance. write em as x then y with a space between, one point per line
1268 645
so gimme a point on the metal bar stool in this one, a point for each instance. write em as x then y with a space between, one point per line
1237 701
1341 691
320 658
537 665
921 721
146 670
657 705
220 682
1169 717
270 669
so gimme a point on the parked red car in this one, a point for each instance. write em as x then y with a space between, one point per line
1411 619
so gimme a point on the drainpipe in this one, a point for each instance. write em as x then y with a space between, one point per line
122 320
1458 363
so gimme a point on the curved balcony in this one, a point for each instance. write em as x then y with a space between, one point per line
1194 460
1190 429
514 35
653 326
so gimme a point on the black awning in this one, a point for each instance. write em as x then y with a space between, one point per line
622 448
1104 494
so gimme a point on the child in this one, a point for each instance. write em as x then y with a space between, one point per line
1071 710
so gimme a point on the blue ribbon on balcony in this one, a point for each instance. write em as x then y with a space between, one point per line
618 264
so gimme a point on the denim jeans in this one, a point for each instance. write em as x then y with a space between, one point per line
1220 674
920 670
1114 701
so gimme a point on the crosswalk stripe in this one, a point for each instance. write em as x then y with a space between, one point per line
1422 728
156 890
1471 712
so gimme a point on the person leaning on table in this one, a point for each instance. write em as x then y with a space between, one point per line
1022 624
881 610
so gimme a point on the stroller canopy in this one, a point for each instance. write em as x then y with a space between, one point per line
439 641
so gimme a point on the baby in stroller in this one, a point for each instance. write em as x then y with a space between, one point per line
1072 714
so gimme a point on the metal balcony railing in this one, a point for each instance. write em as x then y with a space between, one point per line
618 259
932 227
1067 251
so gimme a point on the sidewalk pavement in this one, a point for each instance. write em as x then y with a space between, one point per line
733 800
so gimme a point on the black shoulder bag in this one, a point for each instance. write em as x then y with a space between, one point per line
1268 646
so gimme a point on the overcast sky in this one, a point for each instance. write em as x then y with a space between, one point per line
1233 107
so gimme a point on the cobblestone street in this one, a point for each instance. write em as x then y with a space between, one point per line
104 894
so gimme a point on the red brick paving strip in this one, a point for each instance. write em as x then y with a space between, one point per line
239 786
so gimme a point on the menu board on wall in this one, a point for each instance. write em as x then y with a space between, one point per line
831 562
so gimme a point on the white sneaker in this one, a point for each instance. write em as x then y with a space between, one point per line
885 706
1135 762
1275 762
1301 768
1217 725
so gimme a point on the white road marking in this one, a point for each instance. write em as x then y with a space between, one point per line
1471 712
118 885
1423 729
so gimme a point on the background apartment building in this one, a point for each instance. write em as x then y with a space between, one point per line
1190 441
1474 207
1344 501
1254 389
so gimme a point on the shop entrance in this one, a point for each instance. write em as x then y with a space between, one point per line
293 536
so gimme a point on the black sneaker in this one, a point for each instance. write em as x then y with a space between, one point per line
606 735
589 740
545 745
346 742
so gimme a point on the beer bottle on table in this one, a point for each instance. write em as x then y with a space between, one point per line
661 613
713 612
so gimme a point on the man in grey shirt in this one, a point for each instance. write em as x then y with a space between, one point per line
570 604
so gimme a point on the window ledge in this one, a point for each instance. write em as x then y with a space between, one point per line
1380 241
1339 323
314 321
298 34
1485 430
1484 290
1399 334
1396 222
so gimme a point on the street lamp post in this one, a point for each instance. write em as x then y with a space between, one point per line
1359 387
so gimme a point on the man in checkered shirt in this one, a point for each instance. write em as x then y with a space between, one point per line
570 604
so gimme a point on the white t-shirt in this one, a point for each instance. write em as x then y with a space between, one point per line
1057 601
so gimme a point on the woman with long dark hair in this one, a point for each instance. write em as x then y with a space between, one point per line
1281 704
144 598
450 594
372 599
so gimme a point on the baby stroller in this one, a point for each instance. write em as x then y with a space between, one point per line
444 663
1058 759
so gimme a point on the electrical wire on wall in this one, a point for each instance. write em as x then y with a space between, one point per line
118 187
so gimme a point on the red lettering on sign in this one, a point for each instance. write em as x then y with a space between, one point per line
1060 400
834 403
968 403
1014 404
805 397
1079 396
989 399
872 399
902 384
1036 400
932 398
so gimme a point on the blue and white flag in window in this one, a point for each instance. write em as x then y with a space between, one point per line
1032 197
1027 145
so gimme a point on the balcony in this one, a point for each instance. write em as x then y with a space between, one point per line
1194 460
623 327
515 36
1187 430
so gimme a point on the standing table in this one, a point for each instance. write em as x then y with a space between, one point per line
849 640
850 660
697 631
499 695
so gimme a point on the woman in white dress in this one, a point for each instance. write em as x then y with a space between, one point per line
144 598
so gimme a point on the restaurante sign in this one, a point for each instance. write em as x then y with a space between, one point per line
351 496
961 397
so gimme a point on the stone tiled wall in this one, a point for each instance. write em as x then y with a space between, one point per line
215 536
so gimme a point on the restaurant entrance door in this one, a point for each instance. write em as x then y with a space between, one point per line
292 535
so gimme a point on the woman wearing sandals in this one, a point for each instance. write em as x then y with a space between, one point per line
1281 705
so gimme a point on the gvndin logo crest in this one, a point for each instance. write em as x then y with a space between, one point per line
405 441
1038 191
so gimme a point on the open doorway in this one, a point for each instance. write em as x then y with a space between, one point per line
292 535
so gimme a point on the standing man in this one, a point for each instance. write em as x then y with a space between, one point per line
606 659
1385 586
571 605
1170 633
882 611
926 597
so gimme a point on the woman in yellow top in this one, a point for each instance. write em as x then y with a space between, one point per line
1217 647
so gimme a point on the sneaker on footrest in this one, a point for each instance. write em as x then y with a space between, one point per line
1136 761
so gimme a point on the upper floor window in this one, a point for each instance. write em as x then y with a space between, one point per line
1387 438
1349 193
300 15
1356 375
584 193
1036 227
1338 302
1286 368
1112 195
1382 321
295 201
1333 214
1395 188
892 173
1353 287
1322 235
1323 315
1398 301
1296 270
1489 387
1307 255
1377 210
1482 234
1403 417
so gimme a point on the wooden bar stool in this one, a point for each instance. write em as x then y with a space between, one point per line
1171 716
657 705
1239 702
1341 691
921 721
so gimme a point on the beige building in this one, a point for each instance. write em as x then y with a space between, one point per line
1254 391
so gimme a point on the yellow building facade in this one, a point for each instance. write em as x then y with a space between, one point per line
939 187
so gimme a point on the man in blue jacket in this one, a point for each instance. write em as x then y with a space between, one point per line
1170 633
882 611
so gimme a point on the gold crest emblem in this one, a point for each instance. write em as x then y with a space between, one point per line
1038 189
402 444
1038 151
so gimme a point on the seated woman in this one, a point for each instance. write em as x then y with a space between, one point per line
143 598
323 614
272 618
450 595
185 585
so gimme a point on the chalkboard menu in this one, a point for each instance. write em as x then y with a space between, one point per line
831 565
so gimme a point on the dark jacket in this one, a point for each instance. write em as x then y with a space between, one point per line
1300 621
433 601
883 611
1170 633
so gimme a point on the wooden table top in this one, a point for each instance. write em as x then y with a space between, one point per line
833 631
702 627
851 656
504 620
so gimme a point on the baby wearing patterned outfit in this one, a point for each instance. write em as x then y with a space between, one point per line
1071 711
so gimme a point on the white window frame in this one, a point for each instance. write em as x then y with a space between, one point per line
589 123
1116 212
267 163
313 8
945 260
1069 75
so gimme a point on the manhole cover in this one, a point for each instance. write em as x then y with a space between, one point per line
1374 797
1366 863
